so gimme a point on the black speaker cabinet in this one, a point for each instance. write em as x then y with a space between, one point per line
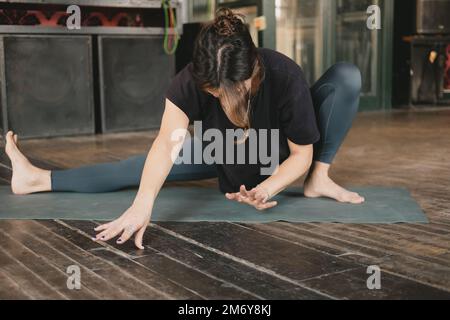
433 16
135 73
185 51
46 85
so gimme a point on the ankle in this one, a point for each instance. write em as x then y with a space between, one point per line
44 180
40 180
319 170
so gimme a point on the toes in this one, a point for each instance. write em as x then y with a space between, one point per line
356 199
11 140
350 197
9 136
361 199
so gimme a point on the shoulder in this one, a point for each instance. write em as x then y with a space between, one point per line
185 74
184 93
184 82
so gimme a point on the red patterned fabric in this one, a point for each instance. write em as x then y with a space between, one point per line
58 18
447 70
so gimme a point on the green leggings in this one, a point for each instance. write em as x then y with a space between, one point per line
335 97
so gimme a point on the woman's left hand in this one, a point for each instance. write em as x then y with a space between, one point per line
257 197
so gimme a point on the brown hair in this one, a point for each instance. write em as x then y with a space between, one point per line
224 58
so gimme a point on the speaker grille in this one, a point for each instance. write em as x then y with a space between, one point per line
48 85
135 73
433 16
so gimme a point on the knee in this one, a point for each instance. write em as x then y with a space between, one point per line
348 77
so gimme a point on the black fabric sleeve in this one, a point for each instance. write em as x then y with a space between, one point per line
183 93
297 116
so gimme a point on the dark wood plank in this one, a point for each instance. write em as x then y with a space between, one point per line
353 285
121 273
30 283
107 276
287 259
388 242
320 241
411 268
213 264
5 167
200 285
10 290
39 279
123 261
5 174
432 229
346 250
4 182
69 152
396 260
42 256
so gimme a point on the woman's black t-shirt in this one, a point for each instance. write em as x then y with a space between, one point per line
282 102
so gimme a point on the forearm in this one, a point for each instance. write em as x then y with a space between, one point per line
294 167
156 169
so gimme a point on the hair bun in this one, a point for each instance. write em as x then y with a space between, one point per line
227 23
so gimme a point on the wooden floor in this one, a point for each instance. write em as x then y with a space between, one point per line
250 261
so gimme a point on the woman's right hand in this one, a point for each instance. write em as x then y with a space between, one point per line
159 162
134 221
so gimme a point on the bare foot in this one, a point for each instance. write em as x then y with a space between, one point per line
26 178
318 184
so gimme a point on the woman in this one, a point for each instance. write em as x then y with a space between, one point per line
229 85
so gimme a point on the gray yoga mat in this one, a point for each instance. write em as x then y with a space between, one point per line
191 204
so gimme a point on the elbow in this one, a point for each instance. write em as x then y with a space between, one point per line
310 157
170 144
307 159
303 155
